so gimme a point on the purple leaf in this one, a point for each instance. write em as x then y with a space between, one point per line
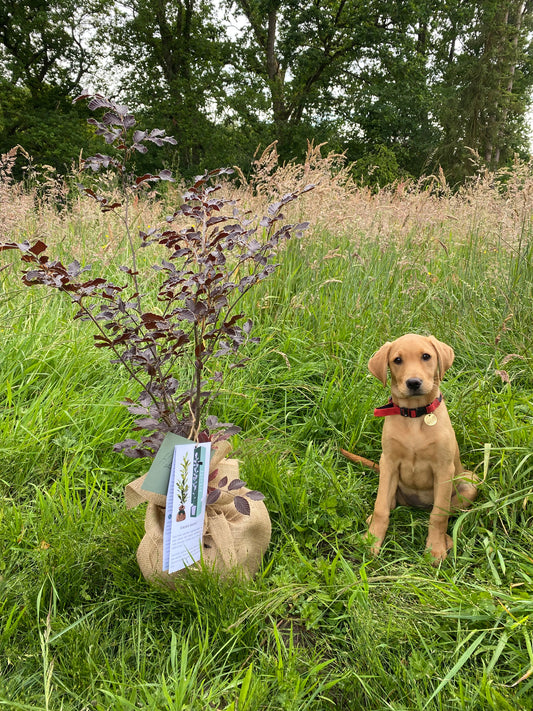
74 268
99 102
85 94
108 208
37 248
236 484
213 496
242 506
142 178
255 495
110 118
226 433
125 443
147 423
166 175
14 245
184 315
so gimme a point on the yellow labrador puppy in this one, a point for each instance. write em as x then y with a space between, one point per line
420 463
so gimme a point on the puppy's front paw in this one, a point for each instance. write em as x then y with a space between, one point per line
373 542
376 533
439 547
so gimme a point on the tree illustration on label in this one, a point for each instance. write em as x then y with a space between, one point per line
183 487
197 483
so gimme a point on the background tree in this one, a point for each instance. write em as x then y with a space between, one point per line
47 48
295 54
181 53
387 93
486 84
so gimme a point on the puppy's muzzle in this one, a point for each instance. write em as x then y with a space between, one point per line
414 384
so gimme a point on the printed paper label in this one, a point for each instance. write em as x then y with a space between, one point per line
185 508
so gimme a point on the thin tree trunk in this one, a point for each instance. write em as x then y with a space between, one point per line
510 81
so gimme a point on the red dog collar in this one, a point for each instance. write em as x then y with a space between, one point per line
392 409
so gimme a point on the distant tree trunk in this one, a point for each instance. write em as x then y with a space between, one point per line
501 54
486 86
511 71
265 29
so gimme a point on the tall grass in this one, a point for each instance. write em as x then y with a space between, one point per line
323 625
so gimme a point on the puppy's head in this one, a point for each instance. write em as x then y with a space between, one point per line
416 363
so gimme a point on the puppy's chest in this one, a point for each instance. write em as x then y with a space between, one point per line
416 449
416 467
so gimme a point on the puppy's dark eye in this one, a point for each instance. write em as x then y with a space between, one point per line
426 356
397 360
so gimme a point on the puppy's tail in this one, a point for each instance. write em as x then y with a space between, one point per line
360 460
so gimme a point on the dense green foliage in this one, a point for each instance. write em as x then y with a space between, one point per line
323 625
46 50
47 126
426 81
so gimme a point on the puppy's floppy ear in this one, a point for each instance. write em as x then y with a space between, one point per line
379 363
445 354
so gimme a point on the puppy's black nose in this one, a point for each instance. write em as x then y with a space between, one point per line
413 383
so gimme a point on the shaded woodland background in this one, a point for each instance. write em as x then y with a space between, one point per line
402 88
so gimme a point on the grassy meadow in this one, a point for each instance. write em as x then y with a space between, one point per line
323 625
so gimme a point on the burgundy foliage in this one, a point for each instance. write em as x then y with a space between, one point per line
205 271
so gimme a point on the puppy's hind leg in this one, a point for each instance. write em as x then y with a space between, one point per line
464 490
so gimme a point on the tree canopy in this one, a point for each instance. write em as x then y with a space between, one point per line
401 87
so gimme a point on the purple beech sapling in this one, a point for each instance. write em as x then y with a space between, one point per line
206 269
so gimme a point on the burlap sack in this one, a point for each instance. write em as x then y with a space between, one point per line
232 542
